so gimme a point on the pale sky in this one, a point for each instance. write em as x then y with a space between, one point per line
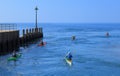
60 11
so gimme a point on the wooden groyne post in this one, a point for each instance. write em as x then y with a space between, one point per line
30 35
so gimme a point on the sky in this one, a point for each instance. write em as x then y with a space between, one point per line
60 11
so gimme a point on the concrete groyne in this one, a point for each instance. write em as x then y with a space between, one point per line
10 39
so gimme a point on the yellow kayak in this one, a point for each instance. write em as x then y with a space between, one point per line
69 62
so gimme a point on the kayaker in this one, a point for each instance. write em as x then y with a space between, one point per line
14 54
69 56
42 43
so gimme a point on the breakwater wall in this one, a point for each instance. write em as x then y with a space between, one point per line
10 39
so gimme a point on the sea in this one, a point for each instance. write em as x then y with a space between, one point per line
94 53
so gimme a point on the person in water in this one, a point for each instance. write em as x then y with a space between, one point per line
107 34
69 56
14 54
73 37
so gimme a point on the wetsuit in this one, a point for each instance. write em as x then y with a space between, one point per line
69 56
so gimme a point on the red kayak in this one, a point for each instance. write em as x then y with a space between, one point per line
44 43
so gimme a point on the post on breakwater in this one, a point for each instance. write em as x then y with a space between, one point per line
29 36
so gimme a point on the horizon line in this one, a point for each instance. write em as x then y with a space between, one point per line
63 22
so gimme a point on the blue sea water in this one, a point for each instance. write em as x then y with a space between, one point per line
94 54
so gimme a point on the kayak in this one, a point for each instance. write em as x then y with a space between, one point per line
14 58
44 43
69 62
